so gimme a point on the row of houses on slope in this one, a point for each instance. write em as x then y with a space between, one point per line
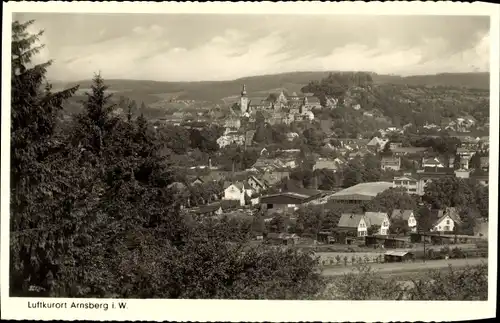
445 220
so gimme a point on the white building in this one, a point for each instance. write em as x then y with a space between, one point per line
234 192
231 138
408 183
378 218
406 215
354 222
446 220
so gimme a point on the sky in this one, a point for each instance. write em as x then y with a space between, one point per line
201 47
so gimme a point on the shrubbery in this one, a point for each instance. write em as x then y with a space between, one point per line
469 283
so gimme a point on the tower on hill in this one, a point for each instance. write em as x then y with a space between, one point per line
244 100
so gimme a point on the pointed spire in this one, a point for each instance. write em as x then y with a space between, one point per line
244 90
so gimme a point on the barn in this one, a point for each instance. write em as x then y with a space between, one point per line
288 201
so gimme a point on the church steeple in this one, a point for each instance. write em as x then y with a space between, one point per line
244 100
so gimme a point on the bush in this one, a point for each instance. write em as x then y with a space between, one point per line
445 251
363 283
470 283
457 253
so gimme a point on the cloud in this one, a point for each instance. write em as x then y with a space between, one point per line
194 48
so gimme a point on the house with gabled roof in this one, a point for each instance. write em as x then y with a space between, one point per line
256 184
446 219
353 222
213 209
433 162
289 200
274 177
234 192
377 143
390 163
381 219
405 215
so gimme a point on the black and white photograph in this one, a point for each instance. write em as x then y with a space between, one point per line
248 155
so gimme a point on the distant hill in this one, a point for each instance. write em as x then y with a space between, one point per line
214 91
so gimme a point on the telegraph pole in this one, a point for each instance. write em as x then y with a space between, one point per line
424 247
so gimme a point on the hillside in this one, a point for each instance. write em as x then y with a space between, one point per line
214 91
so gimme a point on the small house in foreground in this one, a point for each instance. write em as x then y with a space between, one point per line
398 256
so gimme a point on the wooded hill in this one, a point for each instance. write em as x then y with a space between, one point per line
213 91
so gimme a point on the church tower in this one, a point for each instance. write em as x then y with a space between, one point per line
244 100
303 105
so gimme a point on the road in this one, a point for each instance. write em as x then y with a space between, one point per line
396 268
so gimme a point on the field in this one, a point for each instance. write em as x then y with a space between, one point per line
365 254
410 269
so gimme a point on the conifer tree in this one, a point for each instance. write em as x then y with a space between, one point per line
35 242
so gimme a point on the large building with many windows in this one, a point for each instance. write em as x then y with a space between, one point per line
409 183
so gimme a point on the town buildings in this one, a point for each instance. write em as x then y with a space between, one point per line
390 162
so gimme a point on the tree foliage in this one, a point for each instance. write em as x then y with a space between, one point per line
453 284
449 192
391 199
92 213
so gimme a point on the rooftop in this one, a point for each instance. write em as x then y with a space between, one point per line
367 189
409 149
206 208
404 178
402 214
349 220
375 218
